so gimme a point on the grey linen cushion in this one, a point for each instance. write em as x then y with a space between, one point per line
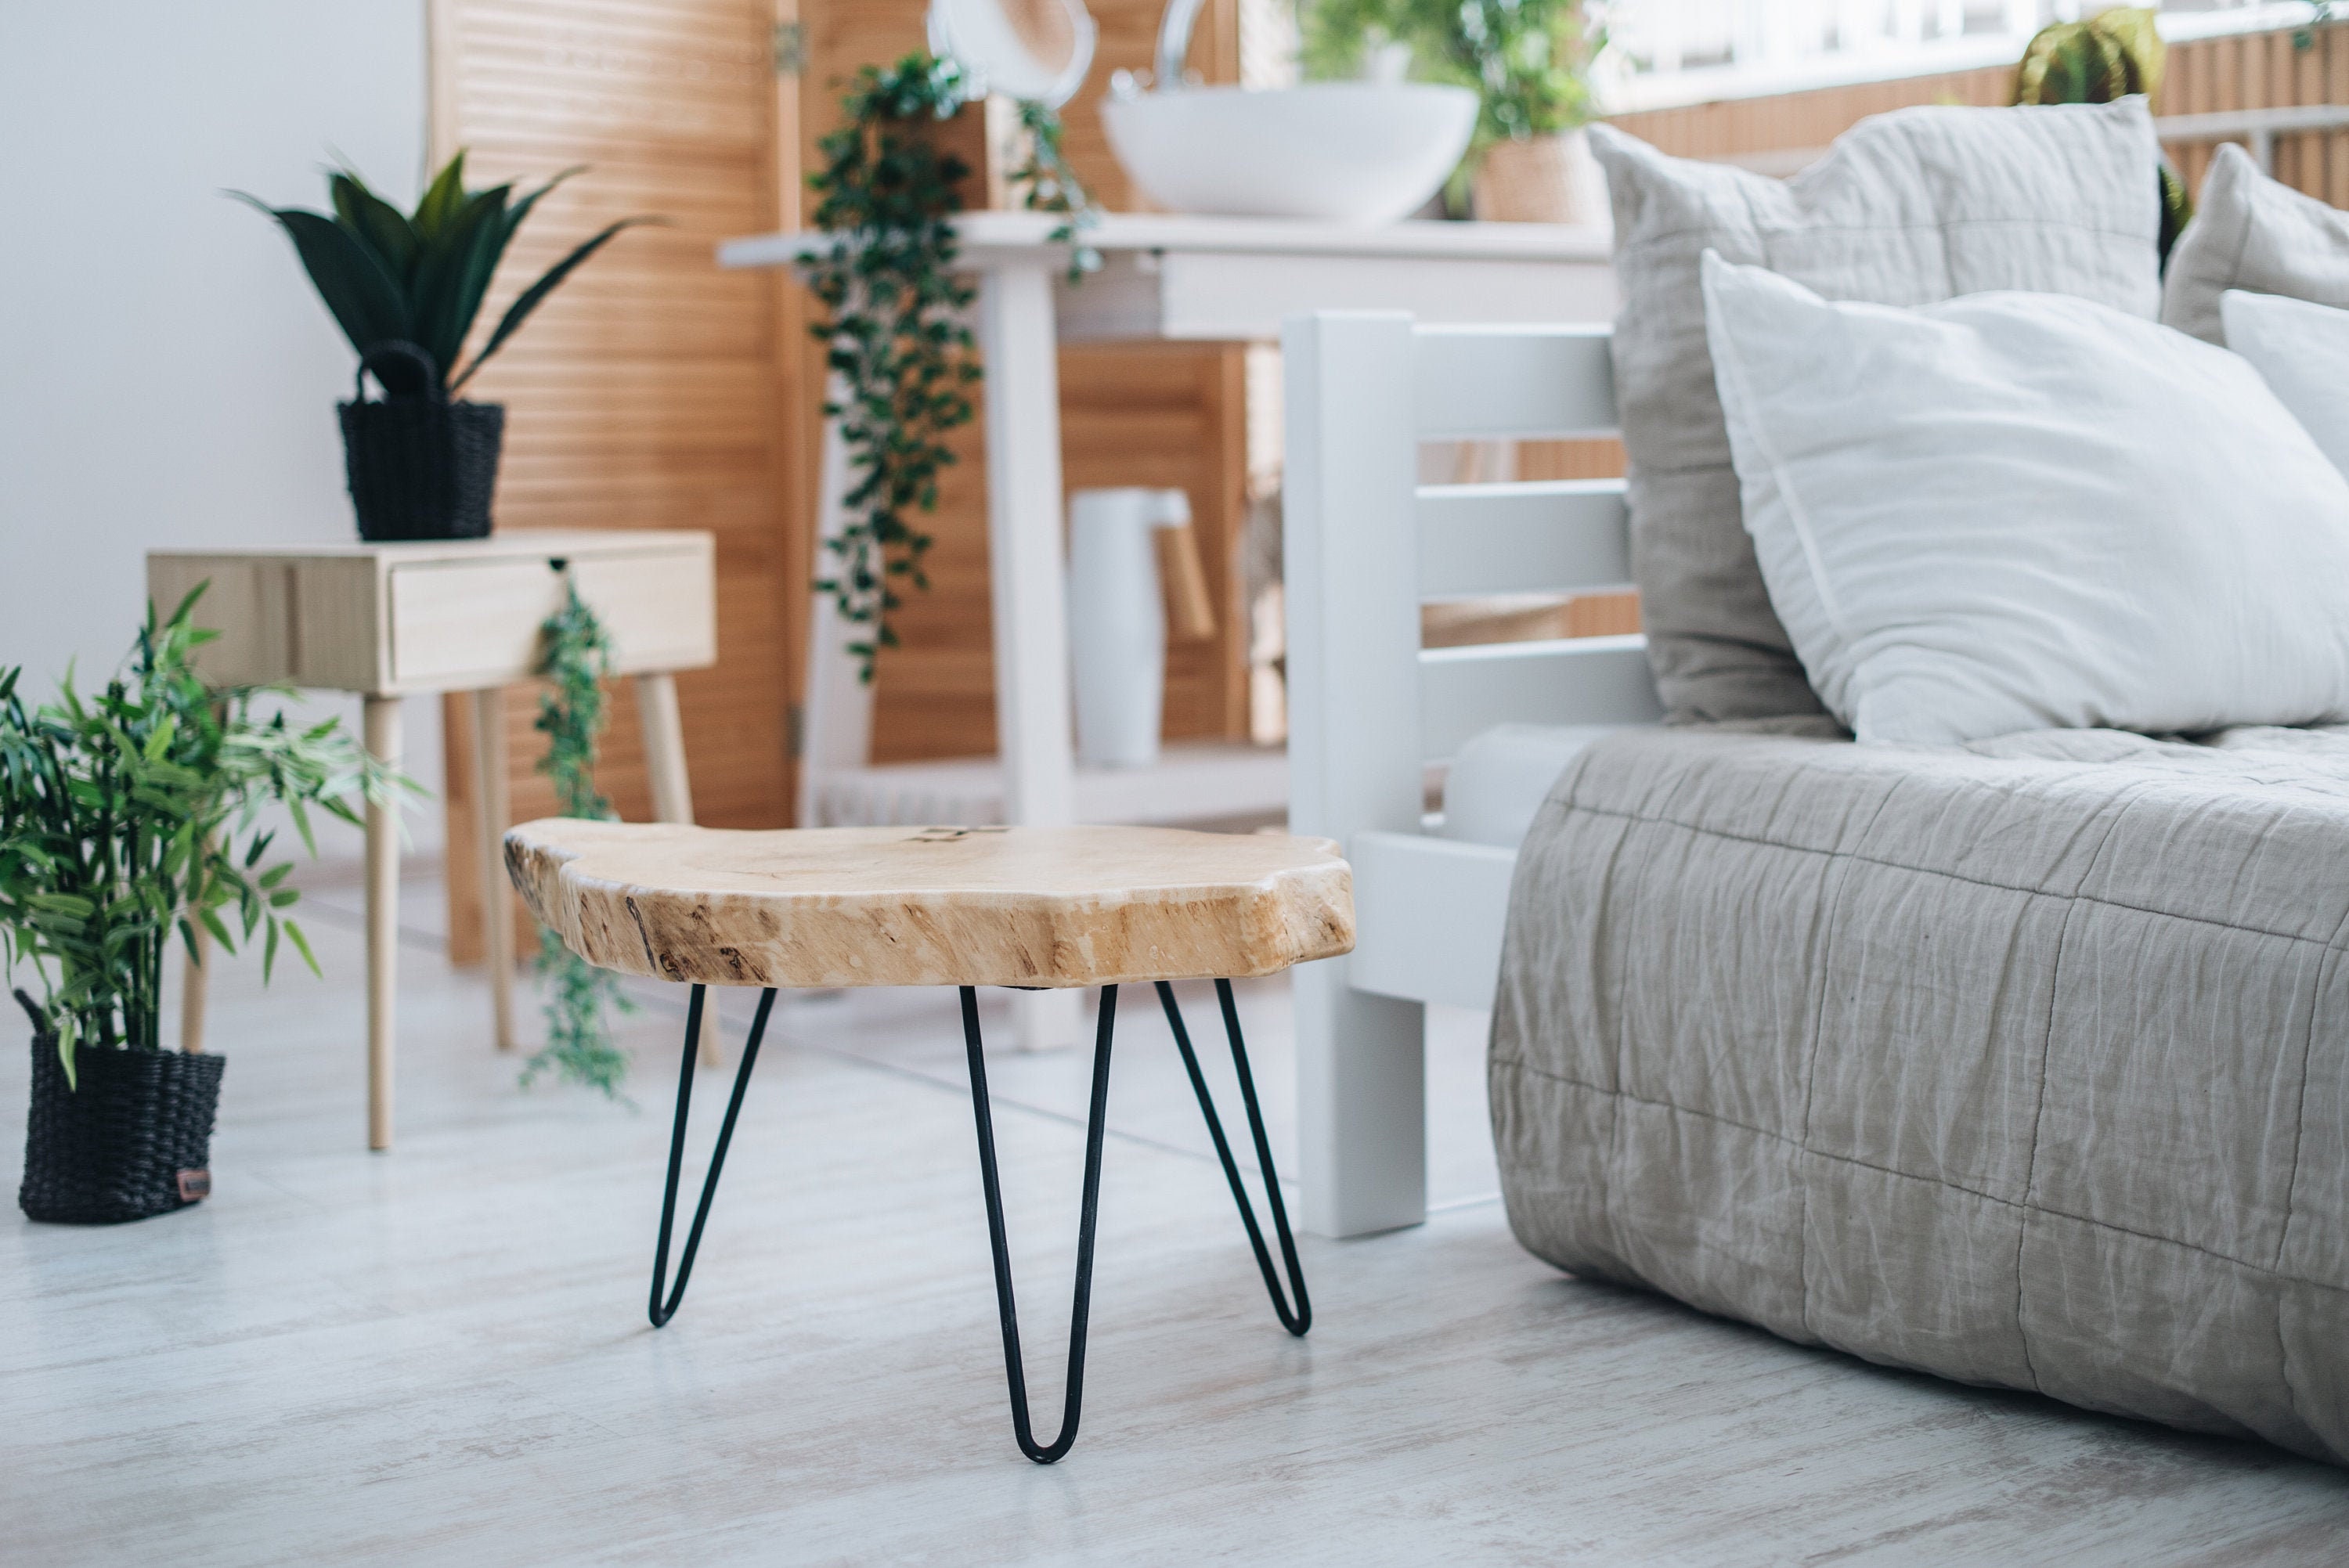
2257 234
1908 208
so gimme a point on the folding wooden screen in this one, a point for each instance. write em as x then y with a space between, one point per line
653 390
656 391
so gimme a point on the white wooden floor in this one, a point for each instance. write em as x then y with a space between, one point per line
441 1356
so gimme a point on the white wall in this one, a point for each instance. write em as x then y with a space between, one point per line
166 376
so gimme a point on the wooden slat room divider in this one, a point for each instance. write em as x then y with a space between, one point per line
650 391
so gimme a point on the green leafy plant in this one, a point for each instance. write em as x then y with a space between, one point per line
1049 184
135 809
902 361
2110 55
2319 13
419 278
901 358
1528 60
577 657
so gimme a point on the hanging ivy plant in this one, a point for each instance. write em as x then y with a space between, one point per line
1050 185
902 359
579 996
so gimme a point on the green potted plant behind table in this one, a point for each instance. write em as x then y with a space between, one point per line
127 815
2108 56
1528 62
405 288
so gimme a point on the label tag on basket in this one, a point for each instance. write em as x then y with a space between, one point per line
195 1184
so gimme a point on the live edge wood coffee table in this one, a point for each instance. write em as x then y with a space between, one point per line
1026 907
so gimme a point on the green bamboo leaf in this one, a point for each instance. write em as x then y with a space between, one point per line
530 298
269 954
302 945
186 606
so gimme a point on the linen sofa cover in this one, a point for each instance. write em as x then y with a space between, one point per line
1908 209
2025 1064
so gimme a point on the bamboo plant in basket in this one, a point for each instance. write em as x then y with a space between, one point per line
127 814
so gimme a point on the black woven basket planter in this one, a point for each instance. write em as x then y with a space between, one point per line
419 466
133 1141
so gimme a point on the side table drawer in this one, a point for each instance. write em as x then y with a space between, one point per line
661 610
459 623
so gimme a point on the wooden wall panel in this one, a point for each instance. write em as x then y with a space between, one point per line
649 391
2243 70
1171 415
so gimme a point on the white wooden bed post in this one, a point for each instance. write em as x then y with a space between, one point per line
1352 572
1369 708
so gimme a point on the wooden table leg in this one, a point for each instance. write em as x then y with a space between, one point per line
380 722
1026 579
491 809
663 729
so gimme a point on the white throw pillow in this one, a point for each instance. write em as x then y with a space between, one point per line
2015 511
2302 351
2252 232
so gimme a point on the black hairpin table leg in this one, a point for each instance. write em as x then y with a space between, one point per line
1301 1318
662 1311
1014 1368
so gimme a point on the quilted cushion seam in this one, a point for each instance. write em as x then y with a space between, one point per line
1841 874
2292 1179
1632 248
2027 1207
2100 900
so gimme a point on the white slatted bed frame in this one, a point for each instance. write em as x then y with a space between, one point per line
1369 708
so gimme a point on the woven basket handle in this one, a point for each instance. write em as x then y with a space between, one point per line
407 361
33 1011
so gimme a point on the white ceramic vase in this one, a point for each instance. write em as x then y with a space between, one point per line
1117 622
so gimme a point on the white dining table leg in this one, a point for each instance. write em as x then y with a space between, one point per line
381 727
664 731
1028 596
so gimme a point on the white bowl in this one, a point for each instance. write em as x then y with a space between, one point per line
1349 152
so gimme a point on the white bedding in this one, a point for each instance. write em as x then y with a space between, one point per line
1501 777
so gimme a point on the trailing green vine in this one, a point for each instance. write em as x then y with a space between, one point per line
901 358
580 997
1050 185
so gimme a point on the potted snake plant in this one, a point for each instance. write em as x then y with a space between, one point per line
405 288
127 815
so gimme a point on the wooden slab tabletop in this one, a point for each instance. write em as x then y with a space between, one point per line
932 906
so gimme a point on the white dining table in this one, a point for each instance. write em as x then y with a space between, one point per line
1163 277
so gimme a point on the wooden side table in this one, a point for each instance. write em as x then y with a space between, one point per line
394 620
1034 908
